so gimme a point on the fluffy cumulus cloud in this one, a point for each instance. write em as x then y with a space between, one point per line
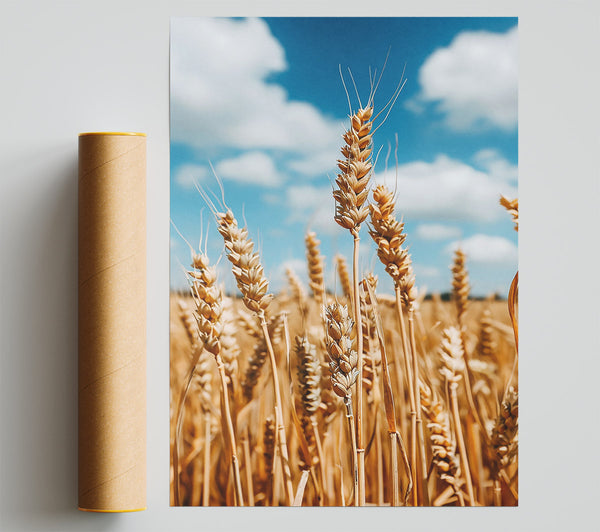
298 266
423 270
438 194
188 175
486 249
447 189
473 81
437 231
254 168
220 96
314 206
321 161
492 162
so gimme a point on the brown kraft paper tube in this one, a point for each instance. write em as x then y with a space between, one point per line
112 322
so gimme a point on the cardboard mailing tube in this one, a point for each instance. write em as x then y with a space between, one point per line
112 322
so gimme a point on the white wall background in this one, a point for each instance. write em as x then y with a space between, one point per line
67 67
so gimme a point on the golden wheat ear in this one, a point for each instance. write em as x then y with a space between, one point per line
298 292
209 318
309 375
355 172
460 284
344 275
343 361
452 353
443 447
246 266
316 267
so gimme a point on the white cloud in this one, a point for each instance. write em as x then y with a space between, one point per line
437 231
314 206
474 80
308 197
414 105
255 168
271 198
278 279
447 189
220 96
496 165
322 163
298 266
422 270
486 249
188 174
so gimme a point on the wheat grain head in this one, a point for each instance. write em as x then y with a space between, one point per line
342 356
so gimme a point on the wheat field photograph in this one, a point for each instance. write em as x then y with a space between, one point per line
344 262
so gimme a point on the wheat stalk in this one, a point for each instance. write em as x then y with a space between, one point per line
309 379
198 362
202 374
442 446
387 233
208 314
351 211
342 365
253 285
460 295
407 289
371 352
388 401
203 377
452 354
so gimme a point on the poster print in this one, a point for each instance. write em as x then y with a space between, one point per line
344 284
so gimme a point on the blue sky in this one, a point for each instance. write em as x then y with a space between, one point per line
263 102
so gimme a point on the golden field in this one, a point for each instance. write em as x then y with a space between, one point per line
489 340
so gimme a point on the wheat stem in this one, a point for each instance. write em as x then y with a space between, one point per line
282 440
497 493
419 422
352 428
380 480
411 394
388 402
237 479
360 456
178 424
321 458
248 468
206 472
461 442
